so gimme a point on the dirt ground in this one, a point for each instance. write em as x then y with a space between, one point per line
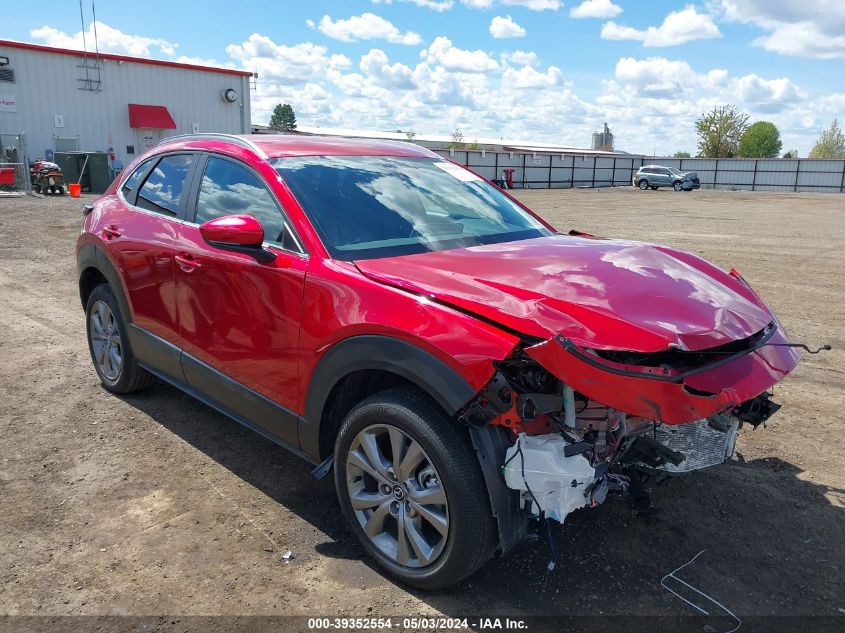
155 504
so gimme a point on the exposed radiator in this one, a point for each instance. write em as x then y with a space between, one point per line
702 444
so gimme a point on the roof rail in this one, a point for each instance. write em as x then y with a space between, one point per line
216 136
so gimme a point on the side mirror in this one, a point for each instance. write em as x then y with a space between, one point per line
237 233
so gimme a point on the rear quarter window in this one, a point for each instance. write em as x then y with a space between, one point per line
131 183
164 187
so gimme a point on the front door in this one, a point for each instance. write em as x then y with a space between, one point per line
239 317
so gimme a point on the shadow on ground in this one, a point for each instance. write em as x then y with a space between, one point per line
774 543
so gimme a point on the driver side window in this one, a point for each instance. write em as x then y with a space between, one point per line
228 188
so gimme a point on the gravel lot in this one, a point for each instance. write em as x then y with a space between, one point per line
155 504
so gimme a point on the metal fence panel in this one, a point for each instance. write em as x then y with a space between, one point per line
819 179
588 170
834 166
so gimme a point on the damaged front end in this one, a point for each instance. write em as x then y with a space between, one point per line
585 423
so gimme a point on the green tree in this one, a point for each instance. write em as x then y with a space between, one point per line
793 153
761 140
831 143
283 118
720 130
681 155
410 135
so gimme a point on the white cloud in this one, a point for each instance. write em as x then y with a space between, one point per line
521 58
477 4
810 28
278 63
595 9
109 39
505 27
528 77
661 78
367 26
654 77
678 27
536 5
442 52
396 76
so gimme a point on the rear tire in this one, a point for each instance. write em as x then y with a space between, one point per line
400 501
108 343
643 184
677 186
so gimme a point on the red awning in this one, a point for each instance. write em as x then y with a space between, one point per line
150 116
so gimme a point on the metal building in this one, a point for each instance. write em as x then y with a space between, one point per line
69 100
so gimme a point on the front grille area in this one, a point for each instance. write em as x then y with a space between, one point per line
682 360
701 443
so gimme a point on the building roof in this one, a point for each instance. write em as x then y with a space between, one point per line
505 144
121 58
288 145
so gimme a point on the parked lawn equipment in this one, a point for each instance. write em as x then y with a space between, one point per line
47 178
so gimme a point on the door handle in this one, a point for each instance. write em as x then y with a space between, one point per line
187 263
110 232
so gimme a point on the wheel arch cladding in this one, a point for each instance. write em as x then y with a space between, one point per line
387 356
95 268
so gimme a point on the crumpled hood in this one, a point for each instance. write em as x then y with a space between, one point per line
599 293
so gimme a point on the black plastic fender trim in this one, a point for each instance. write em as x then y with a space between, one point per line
375 352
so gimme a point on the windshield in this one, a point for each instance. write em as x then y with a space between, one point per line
367 207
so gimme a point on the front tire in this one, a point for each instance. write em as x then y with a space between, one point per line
677 185
410 486
643 184
113 359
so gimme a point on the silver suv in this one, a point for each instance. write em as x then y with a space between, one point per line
655 176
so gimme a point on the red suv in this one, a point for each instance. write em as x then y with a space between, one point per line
463 367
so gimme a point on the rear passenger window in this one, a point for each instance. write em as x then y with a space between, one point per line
163 189
130 184
228 188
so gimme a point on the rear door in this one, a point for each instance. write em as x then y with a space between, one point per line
239 318
140 232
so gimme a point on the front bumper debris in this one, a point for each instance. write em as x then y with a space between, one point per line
550 483
663 394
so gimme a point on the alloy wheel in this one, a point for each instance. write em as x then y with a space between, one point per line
397 496
105 341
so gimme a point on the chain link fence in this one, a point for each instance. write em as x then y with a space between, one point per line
14 166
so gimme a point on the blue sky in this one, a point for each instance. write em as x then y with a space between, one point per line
536 70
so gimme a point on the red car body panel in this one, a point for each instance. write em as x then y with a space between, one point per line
605 294
340 302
